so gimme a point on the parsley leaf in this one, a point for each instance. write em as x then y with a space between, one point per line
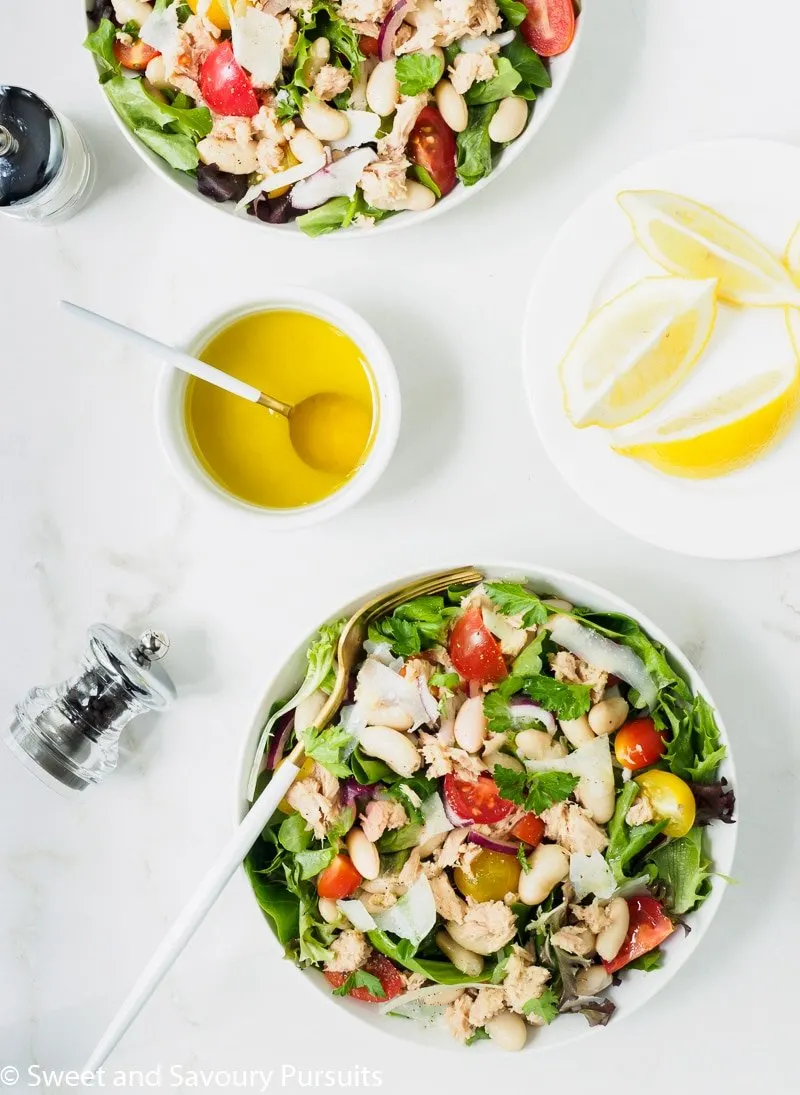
477 1035
417 72
327 748
450 681
536 791
513 599
501 716
360 979
523 859
414 626
545 1007
566 701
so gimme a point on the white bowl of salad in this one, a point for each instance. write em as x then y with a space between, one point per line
320 115
518 826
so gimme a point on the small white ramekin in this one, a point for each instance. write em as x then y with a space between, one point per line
170 424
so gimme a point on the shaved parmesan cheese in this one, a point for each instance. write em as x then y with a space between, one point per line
257 44
512 638
281 178
380 689
592 764
604 654
335 180
160 30
590 874
363 129
382 652
435 820
410 794
414 914
358 914
431 996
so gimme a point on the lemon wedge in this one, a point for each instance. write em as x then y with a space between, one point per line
636 349
694 241
724 433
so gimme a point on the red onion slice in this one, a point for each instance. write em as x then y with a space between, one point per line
389 28
492 844
453 817
277 742
351 790
524 709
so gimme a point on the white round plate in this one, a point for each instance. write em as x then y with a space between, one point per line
637 987
744 515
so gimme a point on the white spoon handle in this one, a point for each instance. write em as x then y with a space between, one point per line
177 358
193 914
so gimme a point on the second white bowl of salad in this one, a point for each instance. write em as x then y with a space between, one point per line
320 115
517 827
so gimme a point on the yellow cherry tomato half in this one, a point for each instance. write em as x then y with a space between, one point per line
306 768
670 798
493 875
216 14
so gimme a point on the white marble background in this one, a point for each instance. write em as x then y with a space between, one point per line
95 528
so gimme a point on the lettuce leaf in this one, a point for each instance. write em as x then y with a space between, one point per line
501 85
100 42
414 626
626 842
683 876
474 148
512 11
404 954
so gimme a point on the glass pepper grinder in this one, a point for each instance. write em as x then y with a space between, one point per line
45 165
68 735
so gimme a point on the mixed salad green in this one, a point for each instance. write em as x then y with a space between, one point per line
509 813
332 112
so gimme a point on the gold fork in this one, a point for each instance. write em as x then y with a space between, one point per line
355 631
249 828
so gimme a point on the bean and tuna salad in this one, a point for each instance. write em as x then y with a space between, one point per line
334 113
509 814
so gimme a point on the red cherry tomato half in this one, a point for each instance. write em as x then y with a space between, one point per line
529 829
649 926
367 45
136 56
338 880
225 86
474 651
479 801
433 146
638 744
387 973
549 26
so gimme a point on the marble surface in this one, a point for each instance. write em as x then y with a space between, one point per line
96 528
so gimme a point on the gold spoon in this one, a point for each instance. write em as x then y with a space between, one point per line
249 828
329 431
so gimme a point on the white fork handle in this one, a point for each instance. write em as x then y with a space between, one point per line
193 914
160 350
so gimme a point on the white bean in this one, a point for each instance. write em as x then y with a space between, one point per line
549 865
608 715
396 717
391 746
383 90
329 910
156 74
598 797
308 709
613 934
131 11
324 121
317 58
418 197
509 120
452 106
538 745
576 731
467 961
592 980
505 761
363 853
510 1031
470 728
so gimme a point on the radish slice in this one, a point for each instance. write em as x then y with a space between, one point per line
491 843
358 914
389 28
413 916
604 654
